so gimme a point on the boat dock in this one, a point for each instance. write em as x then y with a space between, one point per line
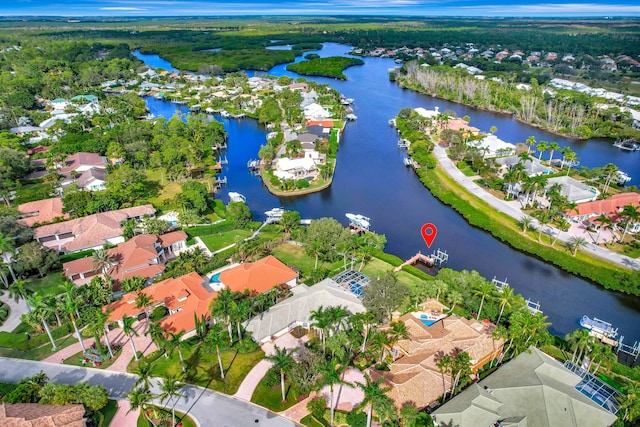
627 145
221 181
533 307
404 143
437 259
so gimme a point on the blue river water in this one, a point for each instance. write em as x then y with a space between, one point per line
370 179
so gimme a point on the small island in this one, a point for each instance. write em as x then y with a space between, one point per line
332 66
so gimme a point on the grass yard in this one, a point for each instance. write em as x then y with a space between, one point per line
271 397
108 412
376 268
51 284
167 192
37 353
295 255
202 367
221 240
310 421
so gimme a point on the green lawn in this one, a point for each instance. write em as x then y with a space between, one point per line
180 418
295 255
51 284
310 421
38 353
108 412
271 397
221 240
376 268
202 367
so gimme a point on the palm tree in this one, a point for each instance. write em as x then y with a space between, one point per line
541 148
631 214
330 375
139 398
282 361
364 320
506 299
170 389
525 222
70 308
127 328
603 355
379 342
577 242
101 260
553 146
604 223
630 402
6 252
444 363
454 298
156 333
18 291
398 331
321 321
175 342
144 301
41 309
531 141
221 308
213 340
144 372
610 170
578 340
483 289
374 394
461 364
441 287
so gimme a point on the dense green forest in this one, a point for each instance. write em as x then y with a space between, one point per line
327 67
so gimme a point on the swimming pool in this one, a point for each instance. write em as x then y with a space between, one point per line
215 278
424 319
355 287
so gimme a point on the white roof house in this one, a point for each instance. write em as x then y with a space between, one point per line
494 146
316 111
295 311
574 190
287 168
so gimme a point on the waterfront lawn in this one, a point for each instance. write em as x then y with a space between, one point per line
271 397
332 66
202 367
221 240
480 214
295 255
375 267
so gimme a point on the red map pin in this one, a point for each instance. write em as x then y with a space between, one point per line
429 232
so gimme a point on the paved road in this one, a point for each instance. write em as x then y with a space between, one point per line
207 407
501 206
16 309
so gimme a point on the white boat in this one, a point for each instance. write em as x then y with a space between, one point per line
359 220
621 178
599 327
392 122
346 101
351 116
407 161
627 144
225 114
237 197
275 213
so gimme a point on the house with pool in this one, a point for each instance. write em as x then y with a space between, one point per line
256 277
413 375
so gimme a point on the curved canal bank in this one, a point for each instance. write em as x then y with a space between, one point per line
371 179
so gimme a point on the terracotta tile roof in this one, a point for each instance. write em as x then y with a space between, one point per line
136 257
415 376
170 238
90 175
46 211
74 161
610 205
323 123
259 276
92 230
36 415
185 293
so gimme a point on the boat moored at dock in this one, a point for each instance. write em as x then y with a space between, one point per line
598 327
237 197
359 220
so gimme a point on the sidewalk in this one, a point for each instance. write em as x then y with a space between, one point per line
124 418
504 207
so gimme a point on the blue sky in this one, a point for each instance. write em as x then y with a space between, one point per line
491 8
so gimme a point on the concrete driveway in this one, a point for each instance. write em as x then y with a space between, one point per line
207 407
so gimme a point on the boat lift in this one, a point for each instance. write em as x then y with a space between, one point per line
440 257
222 161
499 284
633 350
533 307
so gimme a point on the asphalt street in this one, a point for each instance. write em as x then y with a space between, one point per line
209 408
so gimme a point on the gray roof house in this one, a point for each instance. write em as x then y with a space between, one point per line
574 190
531 390
295 311
532 167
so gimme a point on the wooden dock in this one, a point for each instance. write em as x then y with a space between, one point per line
419 257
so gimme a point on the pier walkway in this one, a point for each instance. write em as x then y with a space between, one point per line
517 214
417 257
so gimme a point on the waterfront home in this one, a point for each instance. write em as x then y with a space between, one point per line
259 276
297 310
414 375
186 298
316 111
532 167
300 168
89 232
531 390
575 191
41 211
611 207
492 146
143 255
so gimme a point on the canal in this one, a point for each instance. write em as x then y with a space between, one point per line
371 179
